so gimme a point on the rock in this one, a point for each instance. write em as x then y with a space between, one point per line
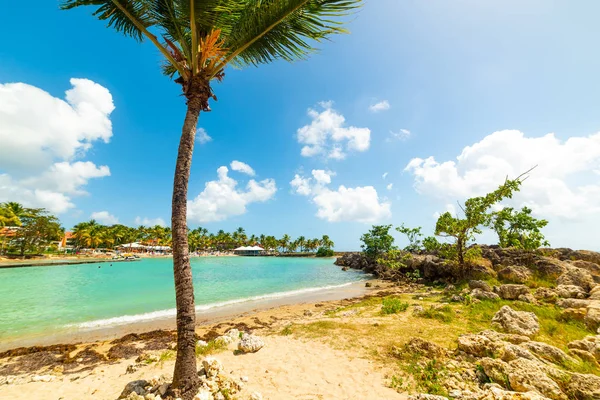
134 396
417 310
137 387
586 356
219 396
504 337
591 267
481 268
577 277
595 293
511 291
368 284
244 379
483 295
233 333
344 268
457 299
224 340
577 314
308 313
519 322
201 343
425 396
256 396
203 395
523 376
583 255
212 367
573 303
592 317
571 292
483 285
449 288
131 368
590 344
547 352
250 344
163 388
551 267
515 273
527 298
497 393
583 386
546 295
478 345
42 378
424 348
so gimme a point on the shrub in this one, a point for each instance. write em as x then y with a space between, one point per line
392 305
324 252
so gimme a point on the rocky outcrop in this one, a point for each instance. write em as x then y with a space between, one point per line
574 276
519 322
250 344
483 285
546 295
590 345
214 385
483 295
511 291
571 292
515 274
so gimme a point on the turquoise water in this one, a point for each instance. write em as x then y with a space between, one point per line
46 300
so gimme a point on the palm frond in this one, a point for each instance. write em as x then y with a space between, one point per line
117 17
271 29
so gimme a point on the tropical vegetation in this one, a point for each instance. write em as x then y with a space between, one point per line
33 230
454 235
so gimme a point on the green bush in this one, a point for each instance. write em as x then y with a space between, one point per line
324 252
392 305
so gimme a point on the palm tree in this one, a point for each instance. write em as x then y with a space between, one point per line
201 38
326 242
301 243
284 242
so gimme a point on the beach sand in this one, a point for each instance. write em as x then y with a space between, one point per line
286 368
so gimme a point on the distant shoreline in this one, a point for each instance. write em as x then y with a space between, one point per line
51 262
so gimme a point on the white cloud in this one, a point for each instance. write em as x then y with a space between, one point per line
104 217
222 198
380 106
242 167
359 204
402 134
42 137
385 174
202 136
563 184
139 221
326 135
390 186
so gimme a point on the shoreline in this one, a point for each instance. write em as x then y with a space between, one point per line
63 262
204 318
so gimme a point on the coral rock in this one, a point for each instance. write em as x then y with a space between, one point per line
519 322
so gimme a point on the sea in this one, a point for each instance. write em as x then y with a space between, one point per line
61 299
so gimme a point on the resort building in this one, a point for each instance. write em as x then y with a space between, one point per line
249 251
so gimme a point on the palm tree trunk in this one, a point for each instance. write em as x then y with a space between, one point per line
185 377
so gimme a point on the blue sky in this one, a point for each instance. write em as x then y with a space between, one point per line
452 72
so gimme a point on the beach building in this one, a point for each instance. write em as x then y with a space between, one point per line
249 251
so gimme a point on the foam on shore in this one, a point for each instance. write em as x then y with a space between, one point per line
129 319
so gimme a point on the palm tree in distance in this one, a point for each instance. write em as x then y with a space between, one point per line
200 38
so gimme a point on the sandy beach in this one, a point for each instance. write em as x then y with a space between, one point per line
286 368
